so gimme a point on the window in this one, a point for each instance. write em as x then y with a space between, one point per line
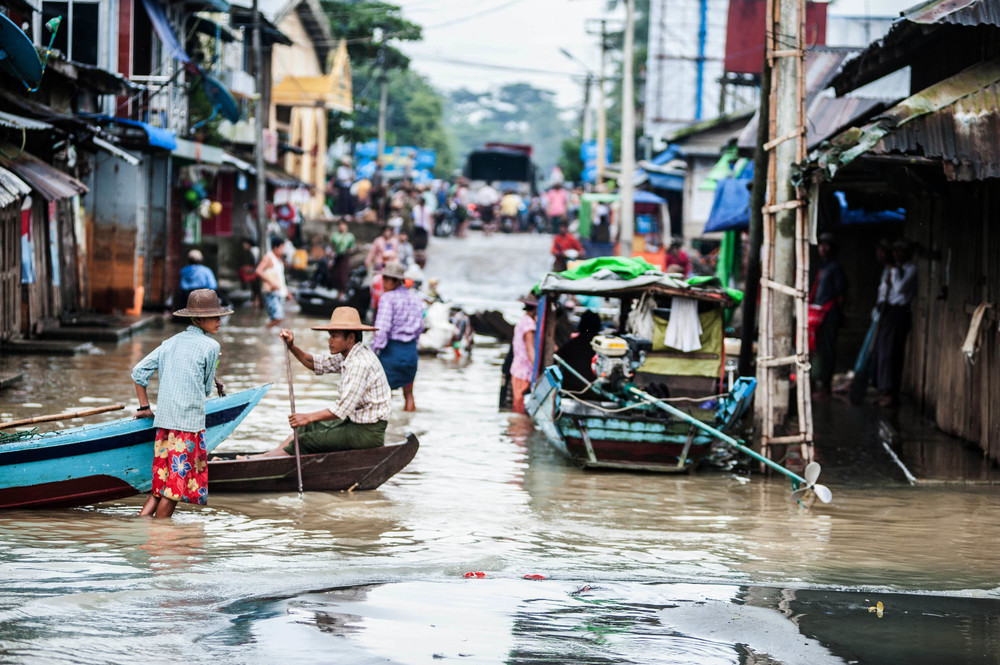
77 36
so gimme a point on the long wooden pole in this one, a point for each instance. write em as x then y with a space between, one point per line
62 416
291 400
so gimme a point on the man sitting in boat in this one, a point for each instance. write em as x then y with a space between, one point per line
359 417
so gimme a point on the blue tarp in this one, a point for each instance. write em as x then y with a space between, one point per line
642 196
164 31
668 181
850 215
158 137
731 207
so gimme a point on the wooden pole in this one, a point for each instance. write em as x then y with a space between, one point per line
626 222
62 416
291 401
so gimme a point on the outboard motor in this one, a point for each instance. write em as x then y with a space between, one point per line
617 358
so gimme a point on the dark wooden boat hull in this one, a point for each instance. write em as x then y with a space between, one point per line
325 472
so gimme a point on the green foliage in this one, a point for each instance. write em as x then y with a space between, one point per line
415 111
570 162
357 21
617 44
516 113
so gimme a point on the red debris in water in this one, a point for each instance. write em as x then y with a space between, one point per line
534 577
476 574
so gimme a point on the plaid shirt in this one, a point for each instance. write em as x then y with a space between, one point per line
364 390
186 363
400 317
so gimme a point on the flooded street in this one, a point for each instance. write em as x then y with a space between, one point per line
705 568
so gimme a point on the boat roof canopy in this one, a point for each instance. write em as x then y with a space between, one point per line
616 277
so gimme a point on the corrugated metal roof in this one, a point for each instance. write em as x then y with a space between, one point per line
20 122
956 120
12 188
825 115
822 66
956 12
47 180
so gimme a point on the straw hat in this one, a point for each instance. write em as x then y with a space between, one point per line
393 269
345 318
530 300
203 303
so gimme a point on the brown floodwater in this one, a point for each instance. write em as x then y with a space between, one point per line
715 567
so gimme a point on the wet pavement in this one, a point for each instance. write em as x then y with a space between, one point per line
637 568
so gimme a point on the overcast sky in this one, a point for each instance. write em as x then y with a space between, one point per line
487 43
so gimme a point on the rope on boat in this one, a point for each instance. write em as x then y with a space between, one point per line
11 437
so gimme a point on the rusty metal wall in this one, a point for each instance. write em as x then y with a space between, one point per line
959 246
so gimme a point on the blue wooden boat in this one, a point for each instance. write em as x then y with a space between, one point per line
594 417
101 462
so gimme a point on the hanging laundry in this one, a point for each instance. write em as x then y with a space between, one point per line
684 327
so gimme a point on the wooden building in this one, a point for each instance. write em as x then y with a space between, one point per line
937 153
12 193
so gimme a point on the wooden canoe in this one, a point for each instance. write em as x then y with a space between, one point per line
101 462
325 472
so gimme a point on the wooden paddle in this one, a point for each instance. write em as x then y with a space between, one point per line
291 400
62 416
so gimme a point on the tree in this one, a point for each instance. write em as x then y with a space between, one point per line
415 112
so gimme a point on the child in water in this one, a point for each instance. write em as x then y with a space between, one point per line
186 363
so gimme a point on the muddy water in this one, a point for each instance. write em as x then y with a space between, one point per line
709 568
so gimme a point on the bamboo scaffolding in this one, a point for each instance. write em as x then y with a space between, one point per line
771 290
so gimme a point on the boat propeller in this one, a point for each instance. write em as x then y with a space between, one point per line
811 475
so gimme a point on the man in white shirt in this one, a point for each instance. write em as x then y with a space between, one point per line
894 323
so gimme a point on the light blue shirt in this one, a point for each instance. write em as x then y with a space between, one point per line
186 363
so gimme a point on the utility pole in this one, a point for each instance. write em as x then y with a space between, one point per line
626 222
602 108
258 55
383 98
757 195
785 262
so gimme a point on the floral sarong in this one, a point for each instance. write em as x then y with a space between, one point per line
180 466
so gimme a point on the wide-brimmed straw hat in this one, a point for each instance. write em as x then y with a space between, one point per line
393 269
345 318
203 304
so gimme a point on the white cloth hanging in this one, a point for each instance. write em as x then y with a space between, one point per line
684 327
640 320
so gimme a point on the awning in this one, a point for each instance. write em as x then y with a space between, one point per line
233 160
944 122
20 122
278 178
12 188
211 28
116 151
198 152
23 6
99 80
165 31
332 91
242 17
140 134
47 180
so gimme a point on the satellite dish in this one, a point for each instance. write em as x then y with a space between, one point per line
18 55
221 99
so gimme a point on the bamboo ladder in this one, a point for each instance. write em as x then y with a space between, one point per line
768 364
